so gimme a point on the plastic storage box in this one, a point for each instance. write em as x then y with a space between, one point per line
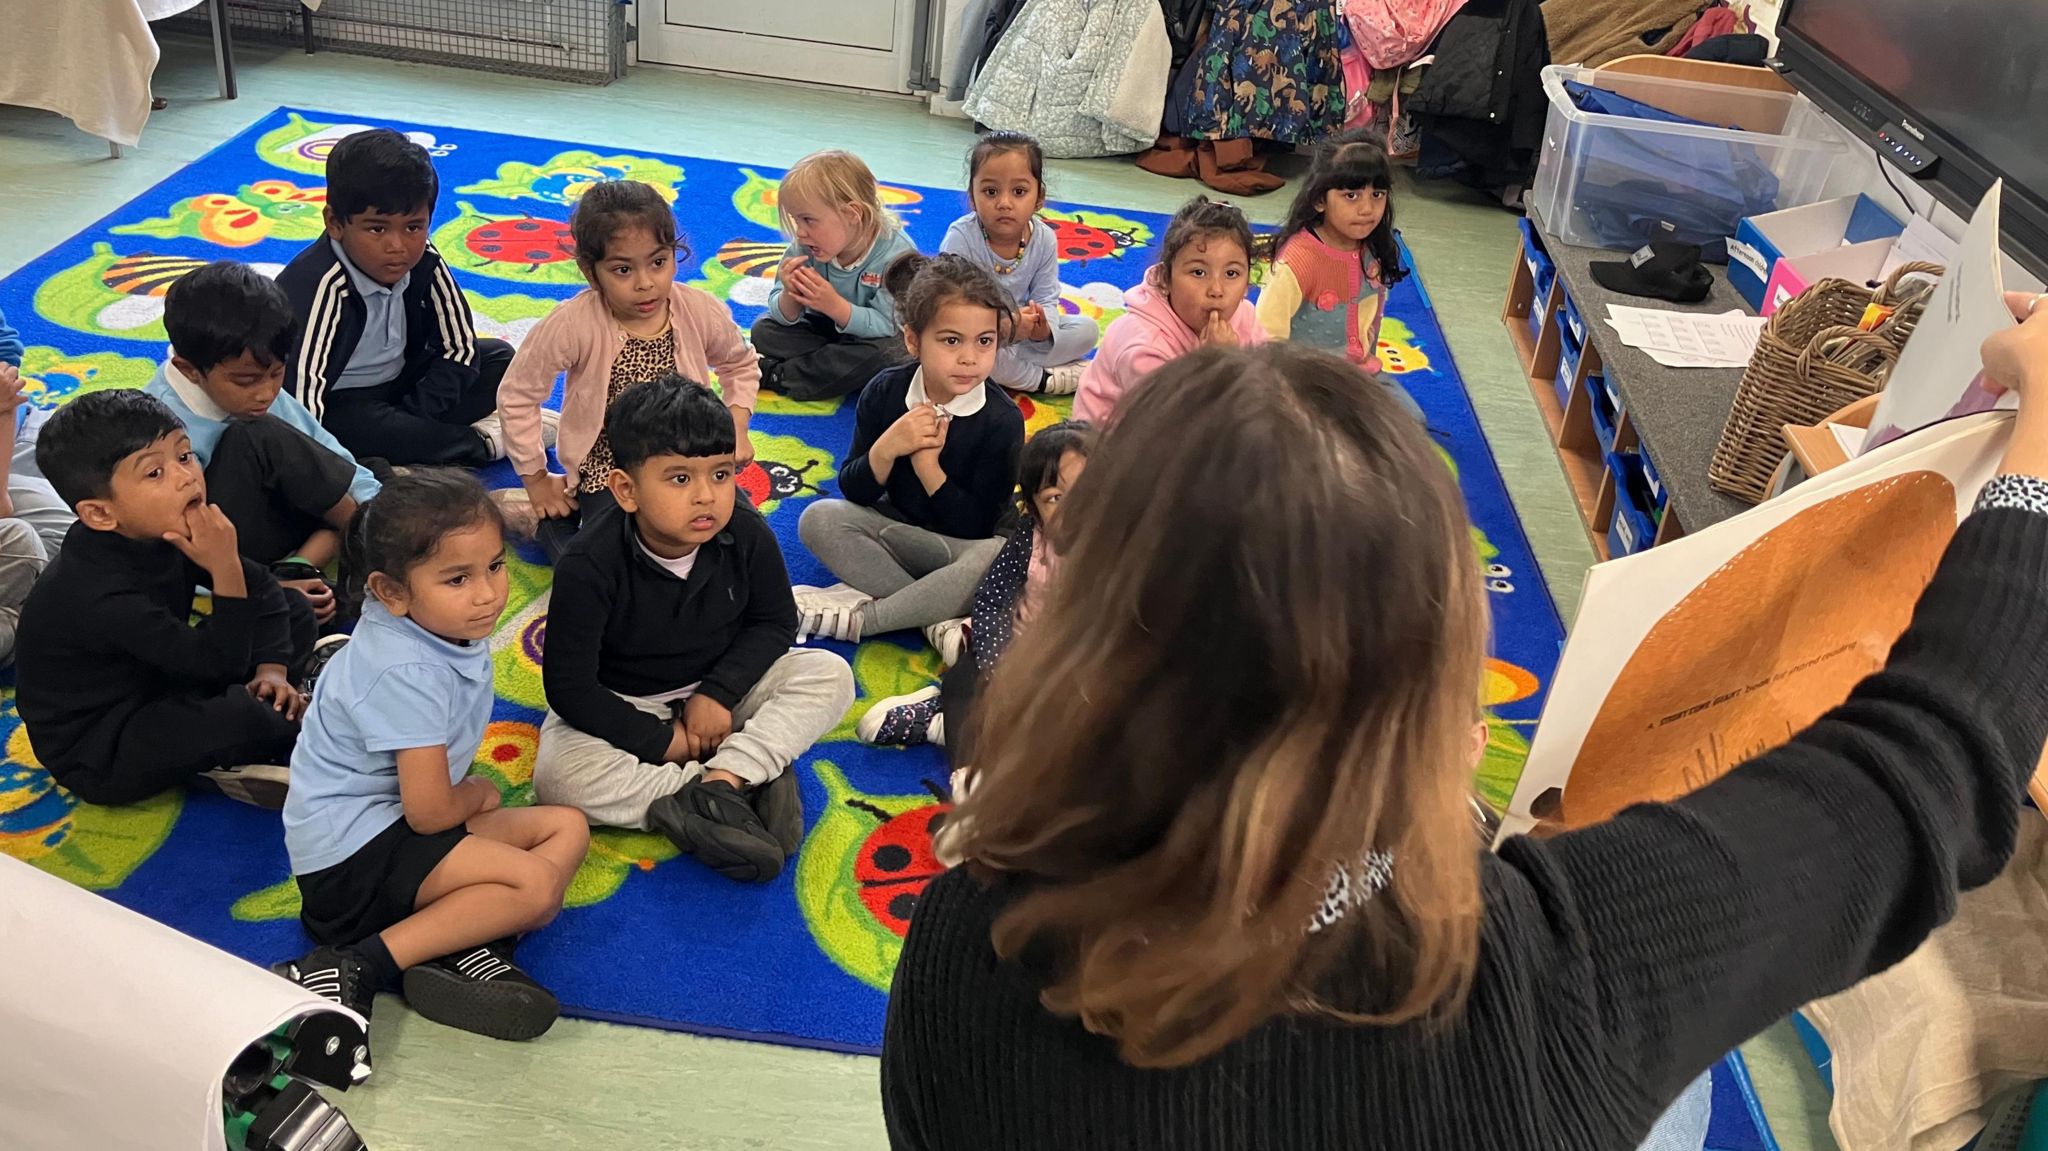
1609 181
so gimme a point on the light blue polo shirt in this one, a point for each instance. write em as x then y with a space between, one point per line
395 686
380 353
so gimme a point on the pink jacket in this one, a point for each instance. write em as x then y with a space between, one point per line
1147 335
581 337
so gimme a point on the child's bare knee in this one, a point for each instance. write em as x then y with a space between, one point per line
571 826
538 890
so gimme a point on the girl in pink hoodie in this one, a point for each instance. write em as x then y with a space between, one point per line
634 324
1193 296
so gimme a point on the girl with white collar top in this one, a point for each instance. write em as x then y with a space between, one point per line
932 466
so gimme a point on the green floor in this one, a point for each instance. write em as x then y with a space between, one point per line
597 1085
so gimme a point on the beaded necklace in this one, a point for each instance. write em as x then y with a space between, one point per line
1007 268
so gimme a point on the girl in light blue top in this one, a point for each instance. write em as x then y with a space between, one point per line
410 874
1006 175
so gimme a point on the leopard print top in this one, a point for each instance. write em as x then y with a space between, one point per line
640 359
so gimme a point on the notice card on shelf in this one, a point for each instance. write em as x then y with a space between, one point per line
1940 370
1688 339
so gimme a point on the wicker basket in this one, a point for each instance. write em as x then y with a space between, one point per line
1811 360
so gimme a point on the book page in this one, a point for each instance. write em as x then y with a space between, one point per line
1938 375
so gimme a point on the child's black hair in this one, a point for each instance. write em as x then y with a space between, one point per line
613 206
1199 219
379 171
217 312
401 526
1039 465
671 416
1001 141
88 438
921 285
1344 164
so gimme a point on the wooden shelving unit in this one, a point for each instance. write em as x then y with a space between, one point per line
1570 425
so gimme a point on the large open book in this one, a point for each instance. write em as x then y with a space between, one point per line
1693 656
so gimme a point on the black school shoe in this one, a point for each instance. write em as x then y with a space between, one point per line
324 650
337 974
780 804
714 822
257 784
480 990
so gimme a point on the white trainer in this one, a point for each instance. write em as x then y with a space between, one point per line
1064 380
492 429
829 612
948 638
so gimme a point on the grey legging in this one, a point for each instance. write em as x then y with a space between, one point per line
918 577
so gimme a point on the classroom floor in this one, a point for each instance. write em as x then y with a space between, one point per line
598 1085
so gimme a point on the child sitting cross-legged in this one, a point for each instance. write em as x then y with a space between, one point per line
123 697
287 485
388 357
410 874
931 469
1009 594
674 701
634 324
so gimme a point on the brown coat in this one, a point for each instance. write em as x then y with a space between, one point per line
1594 32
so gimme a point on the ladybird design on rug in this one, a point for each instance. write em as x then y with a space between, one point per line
862 870
528 249
1081 236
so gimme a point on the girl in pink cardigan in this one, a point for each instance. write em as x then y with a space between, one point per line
635 323
1194 296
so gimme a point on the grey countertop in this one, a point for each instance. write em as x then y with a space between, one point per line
1677 412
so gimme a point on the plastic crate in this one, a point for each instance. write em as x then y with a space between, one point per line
1606 414
1651 477
1635 523
1572 320
1568 355
1608 181
1542 271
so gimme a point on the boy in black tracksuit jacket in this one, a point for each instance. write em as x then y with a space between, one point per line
674 701
388 358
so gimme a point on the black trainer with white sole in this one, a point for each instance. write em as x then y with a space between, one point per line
482 991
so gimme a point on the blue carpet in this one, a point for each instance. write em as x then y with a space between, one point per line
647 938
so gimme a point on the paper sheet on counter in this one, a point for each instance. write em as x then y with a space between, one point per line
114 1029
1688 339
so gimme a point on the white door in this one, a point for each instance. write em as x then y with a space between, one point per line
850 43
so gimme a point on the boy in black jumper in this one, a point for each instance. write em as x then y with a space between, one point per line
674 701
388 357
122 696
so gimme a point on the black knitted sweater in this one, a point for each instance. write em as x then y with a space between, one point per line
1616 962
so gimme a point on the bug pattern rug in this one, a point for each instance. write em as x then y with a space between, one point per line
648 938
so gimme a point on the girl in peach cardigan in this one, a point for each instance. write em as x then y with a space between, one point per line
634 324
